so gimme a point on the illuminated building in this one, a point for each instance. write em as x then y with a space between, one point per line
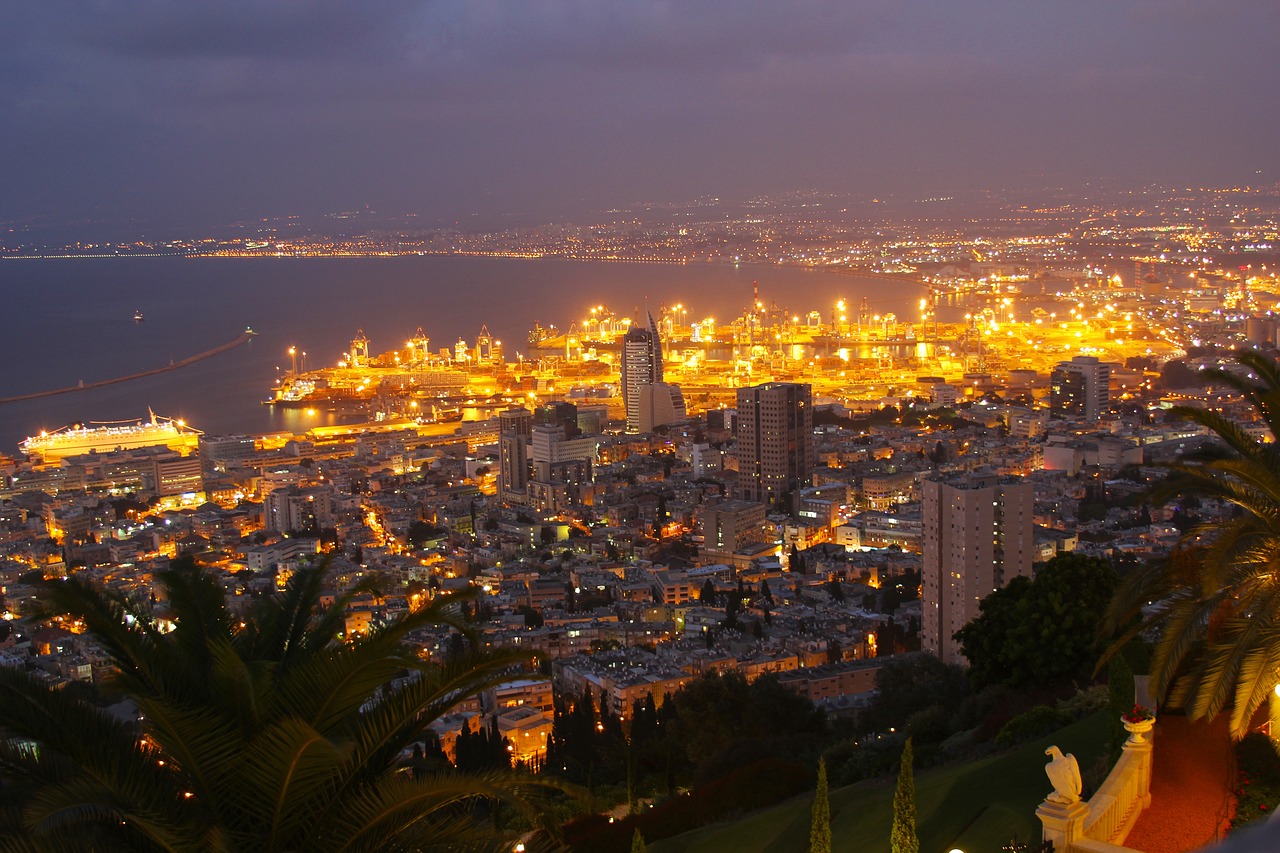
513 454
223 451
641 366
660 403
730 525
775 440
977 537
1079 388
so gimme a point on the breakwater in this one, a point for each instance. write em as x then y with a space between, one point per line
243 337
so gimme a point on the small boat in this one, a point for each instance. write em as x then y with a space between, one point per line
137 317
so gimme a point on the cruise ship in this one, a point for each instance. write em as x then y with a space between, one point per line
76 439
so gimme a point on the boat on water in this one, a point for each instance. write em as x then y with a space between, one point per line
137 317
77 439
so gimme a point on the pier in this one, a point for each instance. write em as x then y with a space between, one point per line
176 365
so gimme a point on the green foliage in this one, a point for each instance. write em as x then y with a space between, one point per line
1040 631
931 725
1257 779
820 824
718 710
1220 637
902 837
759 784
908 684
637 843
262 733
1120 694
420 533
1041 720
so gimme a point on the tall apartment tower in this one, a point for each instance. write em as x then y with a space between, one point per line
775 440
515 428
977 537
1079 387
641 366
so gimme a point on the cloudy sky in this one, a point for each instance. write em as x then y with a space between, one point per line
201 112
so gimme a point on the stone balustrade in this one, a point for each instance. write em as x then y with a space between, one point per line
1102 824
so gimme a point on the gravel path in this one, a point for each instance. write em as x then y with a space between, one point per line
1191 784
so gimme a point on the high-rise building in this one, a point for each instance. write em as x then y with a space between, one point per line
775 440
977 537
561 463
660 403
559 413
514 430
1079 387
641 366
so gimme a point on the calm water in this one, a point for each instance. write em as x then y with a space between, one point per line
67 320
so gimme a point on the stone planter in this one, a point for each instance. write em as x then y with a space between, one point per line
1138 731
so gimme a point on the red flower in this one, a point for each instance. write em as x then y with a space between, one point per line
1138 714
1262 807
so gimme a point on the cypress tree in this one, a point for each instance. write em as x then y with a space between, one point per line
820 829
637 843
902 838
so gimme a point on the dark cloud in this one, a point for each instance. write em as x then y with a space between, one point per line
200 110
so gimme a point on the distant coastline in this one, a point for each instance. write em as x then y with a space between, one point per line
85 386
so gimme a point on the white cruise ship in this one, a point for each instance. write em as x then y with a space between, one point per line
76 439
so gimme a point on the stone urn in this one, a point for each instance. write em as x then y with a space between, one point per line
1138 730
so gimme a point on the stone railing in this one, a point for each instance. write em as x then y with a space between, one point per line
1103 823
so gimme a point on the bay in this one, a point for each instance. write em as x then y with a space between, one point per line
68 320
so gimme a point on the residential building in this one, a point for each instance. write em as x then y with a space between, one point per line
514 426
775 440
1079 388
978 535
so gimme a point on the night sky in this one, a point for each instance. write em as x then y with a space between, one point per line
203 112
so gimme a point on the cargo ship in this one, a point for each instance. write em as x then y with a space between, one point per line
76 439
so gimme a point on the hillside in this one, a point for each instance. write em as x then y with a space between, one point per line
978 806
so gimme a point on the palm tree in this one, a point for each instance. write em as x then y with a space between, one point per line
1219 617
262 733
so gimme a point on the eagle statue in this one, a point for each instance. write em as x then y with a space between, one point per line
1064 773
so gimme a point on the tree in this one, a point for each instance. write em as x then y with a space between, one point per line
731 605
421 532
1041 630
637 843
260 732
908 684
902 838
1220 637
820 825
717 711
835 590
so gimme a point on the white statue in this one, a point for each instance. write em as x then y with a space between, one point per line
1064 773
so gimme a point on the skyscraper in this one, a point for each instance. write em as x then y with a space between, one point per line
977 537
641 366
775 440
1079 387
